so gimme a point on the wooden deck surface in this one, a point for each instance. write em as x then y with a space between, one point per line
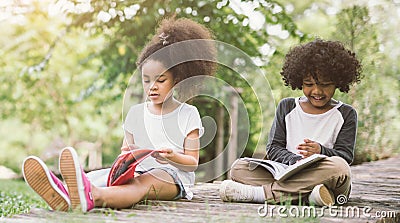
376 193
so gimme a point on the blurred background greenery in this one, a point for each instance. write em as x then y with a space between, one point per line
65 65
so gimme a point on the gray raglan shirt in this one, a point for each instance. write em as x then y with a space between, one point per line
335 130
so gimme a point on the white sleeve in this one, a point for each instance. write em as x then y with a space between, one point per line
127 124
194 122
131 121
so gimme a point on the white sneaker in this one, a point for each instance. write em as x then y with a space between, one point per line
321 196
234 191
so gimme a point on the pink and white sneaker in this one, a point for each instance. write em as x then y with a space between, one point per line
45 183
79 186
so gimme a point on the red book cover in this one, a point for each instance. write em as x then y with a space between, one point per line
123 168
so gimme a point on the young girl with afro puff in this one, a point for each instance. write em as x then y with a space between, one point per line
181 49
315 123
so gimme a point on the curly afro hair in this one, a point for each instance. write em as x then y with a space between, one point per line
326 60
166 47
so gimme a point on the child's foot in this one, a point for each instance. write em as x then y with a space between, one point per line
234 191
321 196
45 183
79 186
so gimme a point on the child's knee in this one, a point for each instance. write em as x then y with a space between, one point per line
339 165
239 169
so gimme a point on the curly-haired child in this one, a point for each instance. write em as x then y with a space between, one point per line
312 124
180 50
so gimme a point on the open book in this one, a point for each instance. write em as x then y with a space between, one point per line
123 168
281 171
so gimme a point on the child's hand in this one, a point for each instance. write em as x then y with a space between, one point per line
309 148
127 149
163 155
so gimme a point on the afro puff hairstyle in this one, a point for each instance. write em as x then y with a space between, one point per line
321 59
165 48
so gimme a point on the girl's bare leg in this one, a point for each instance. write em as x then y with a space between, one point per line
155 184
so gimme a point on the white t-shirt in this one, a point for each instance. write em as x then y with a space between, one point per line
168 130
323 128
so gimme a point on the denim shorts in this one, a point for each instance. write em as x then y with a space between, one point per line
174 175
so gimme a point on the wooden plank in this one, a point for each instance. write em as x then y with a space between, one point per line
375 189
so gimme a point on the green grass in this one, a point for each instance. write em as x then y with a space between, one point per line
17 198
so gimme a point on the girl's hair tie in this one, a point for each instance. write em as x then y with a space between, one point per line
163 37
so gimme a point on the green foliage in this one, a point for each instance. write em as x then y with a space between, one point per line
63 75
375 97
72 85
48 79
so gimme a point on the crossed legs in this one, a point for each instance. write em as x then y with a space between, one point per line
333 172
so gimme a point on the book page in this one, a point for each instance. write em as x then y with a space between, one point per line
123 168
281 171
275 168
303 163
